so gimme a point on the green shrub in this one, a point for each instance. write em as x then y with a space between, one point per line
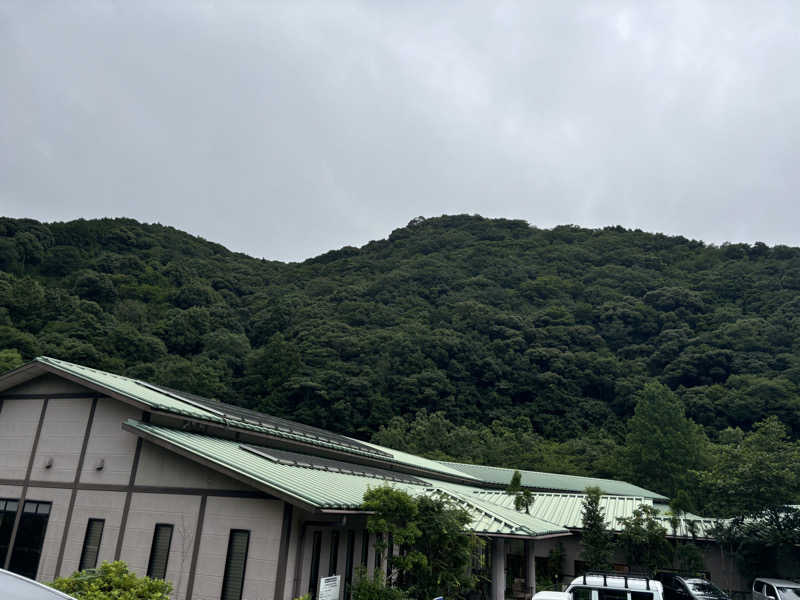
375 588
112 581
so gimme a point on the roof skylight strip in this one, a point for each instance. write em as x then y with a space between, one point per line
263 453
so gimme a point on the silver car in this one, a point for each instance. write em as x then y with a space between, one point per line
17 587
775 589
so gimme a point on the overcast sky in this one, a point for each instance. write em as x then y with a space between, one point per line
287 129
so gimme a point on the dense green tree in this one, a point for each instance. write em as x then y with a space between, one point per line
597 541
523 347
432 530
643 540
662 445
752 472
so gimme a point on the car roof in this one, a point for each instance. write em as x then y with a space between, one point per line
17 587
778 582
618 581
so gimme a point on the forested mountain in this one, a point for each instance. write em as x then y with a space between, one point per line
518 335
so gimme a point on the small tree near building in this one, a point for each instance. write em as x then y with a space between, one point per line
523 499
598 545
435 548
644 540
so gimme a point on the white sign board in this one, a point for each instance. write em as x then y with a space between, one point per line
329 588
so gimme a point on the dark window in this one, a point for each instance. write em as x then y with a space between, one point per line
641 596
606 594
91 544
313 576
768 590
364 548
389 556
334 559
235 563
159 551
378 542
581 593
348 567
8 511
30 538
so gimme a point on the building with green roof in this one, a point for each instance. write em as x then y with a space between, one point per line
229 503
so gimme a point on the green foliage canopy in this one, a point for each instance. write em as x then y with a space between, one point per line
112 581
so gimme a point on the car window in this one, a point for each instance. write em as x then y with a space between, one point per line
607 594
758 586
789 593
581 593
705 590
641 595
770 591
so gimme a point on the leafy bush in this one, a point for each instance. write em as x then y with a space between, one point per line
375 588
112 581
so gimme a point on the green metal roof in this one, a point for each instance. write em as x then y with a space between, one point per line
567 509
423 463
553 481
491 518
315 486
203 409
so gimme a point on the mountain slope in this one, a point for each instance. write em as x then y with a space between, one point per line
482 319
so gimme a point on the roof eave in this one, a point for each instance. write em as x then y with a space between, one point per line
232 473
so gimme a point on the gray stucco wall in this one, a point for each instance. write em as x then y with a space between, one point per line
174 494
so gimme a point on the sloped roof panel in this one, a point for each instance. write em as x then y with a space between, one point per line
204 409
316 487
566 510
553 481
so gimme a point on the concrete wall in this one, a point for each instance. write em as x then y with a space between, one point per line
181 512
263 518
93 505
18 422
109 443
159 467
61 439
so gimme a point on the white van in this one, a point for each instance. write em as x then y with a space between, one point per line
775 589
615 586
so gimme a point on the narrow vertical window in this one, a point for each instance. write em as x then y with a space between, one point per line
378 542
348 566
159 551
8 510
334 558
314 574
364 548
91 544
30 539
235 563
389 556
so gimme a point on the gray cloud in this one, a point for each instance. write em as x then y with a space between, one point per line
287 129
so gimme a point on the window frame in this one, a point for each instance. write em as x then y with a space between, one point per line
150 560
85 547
226 574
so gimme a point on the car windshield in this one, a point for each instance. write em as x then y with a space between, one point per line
789 593
706 589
